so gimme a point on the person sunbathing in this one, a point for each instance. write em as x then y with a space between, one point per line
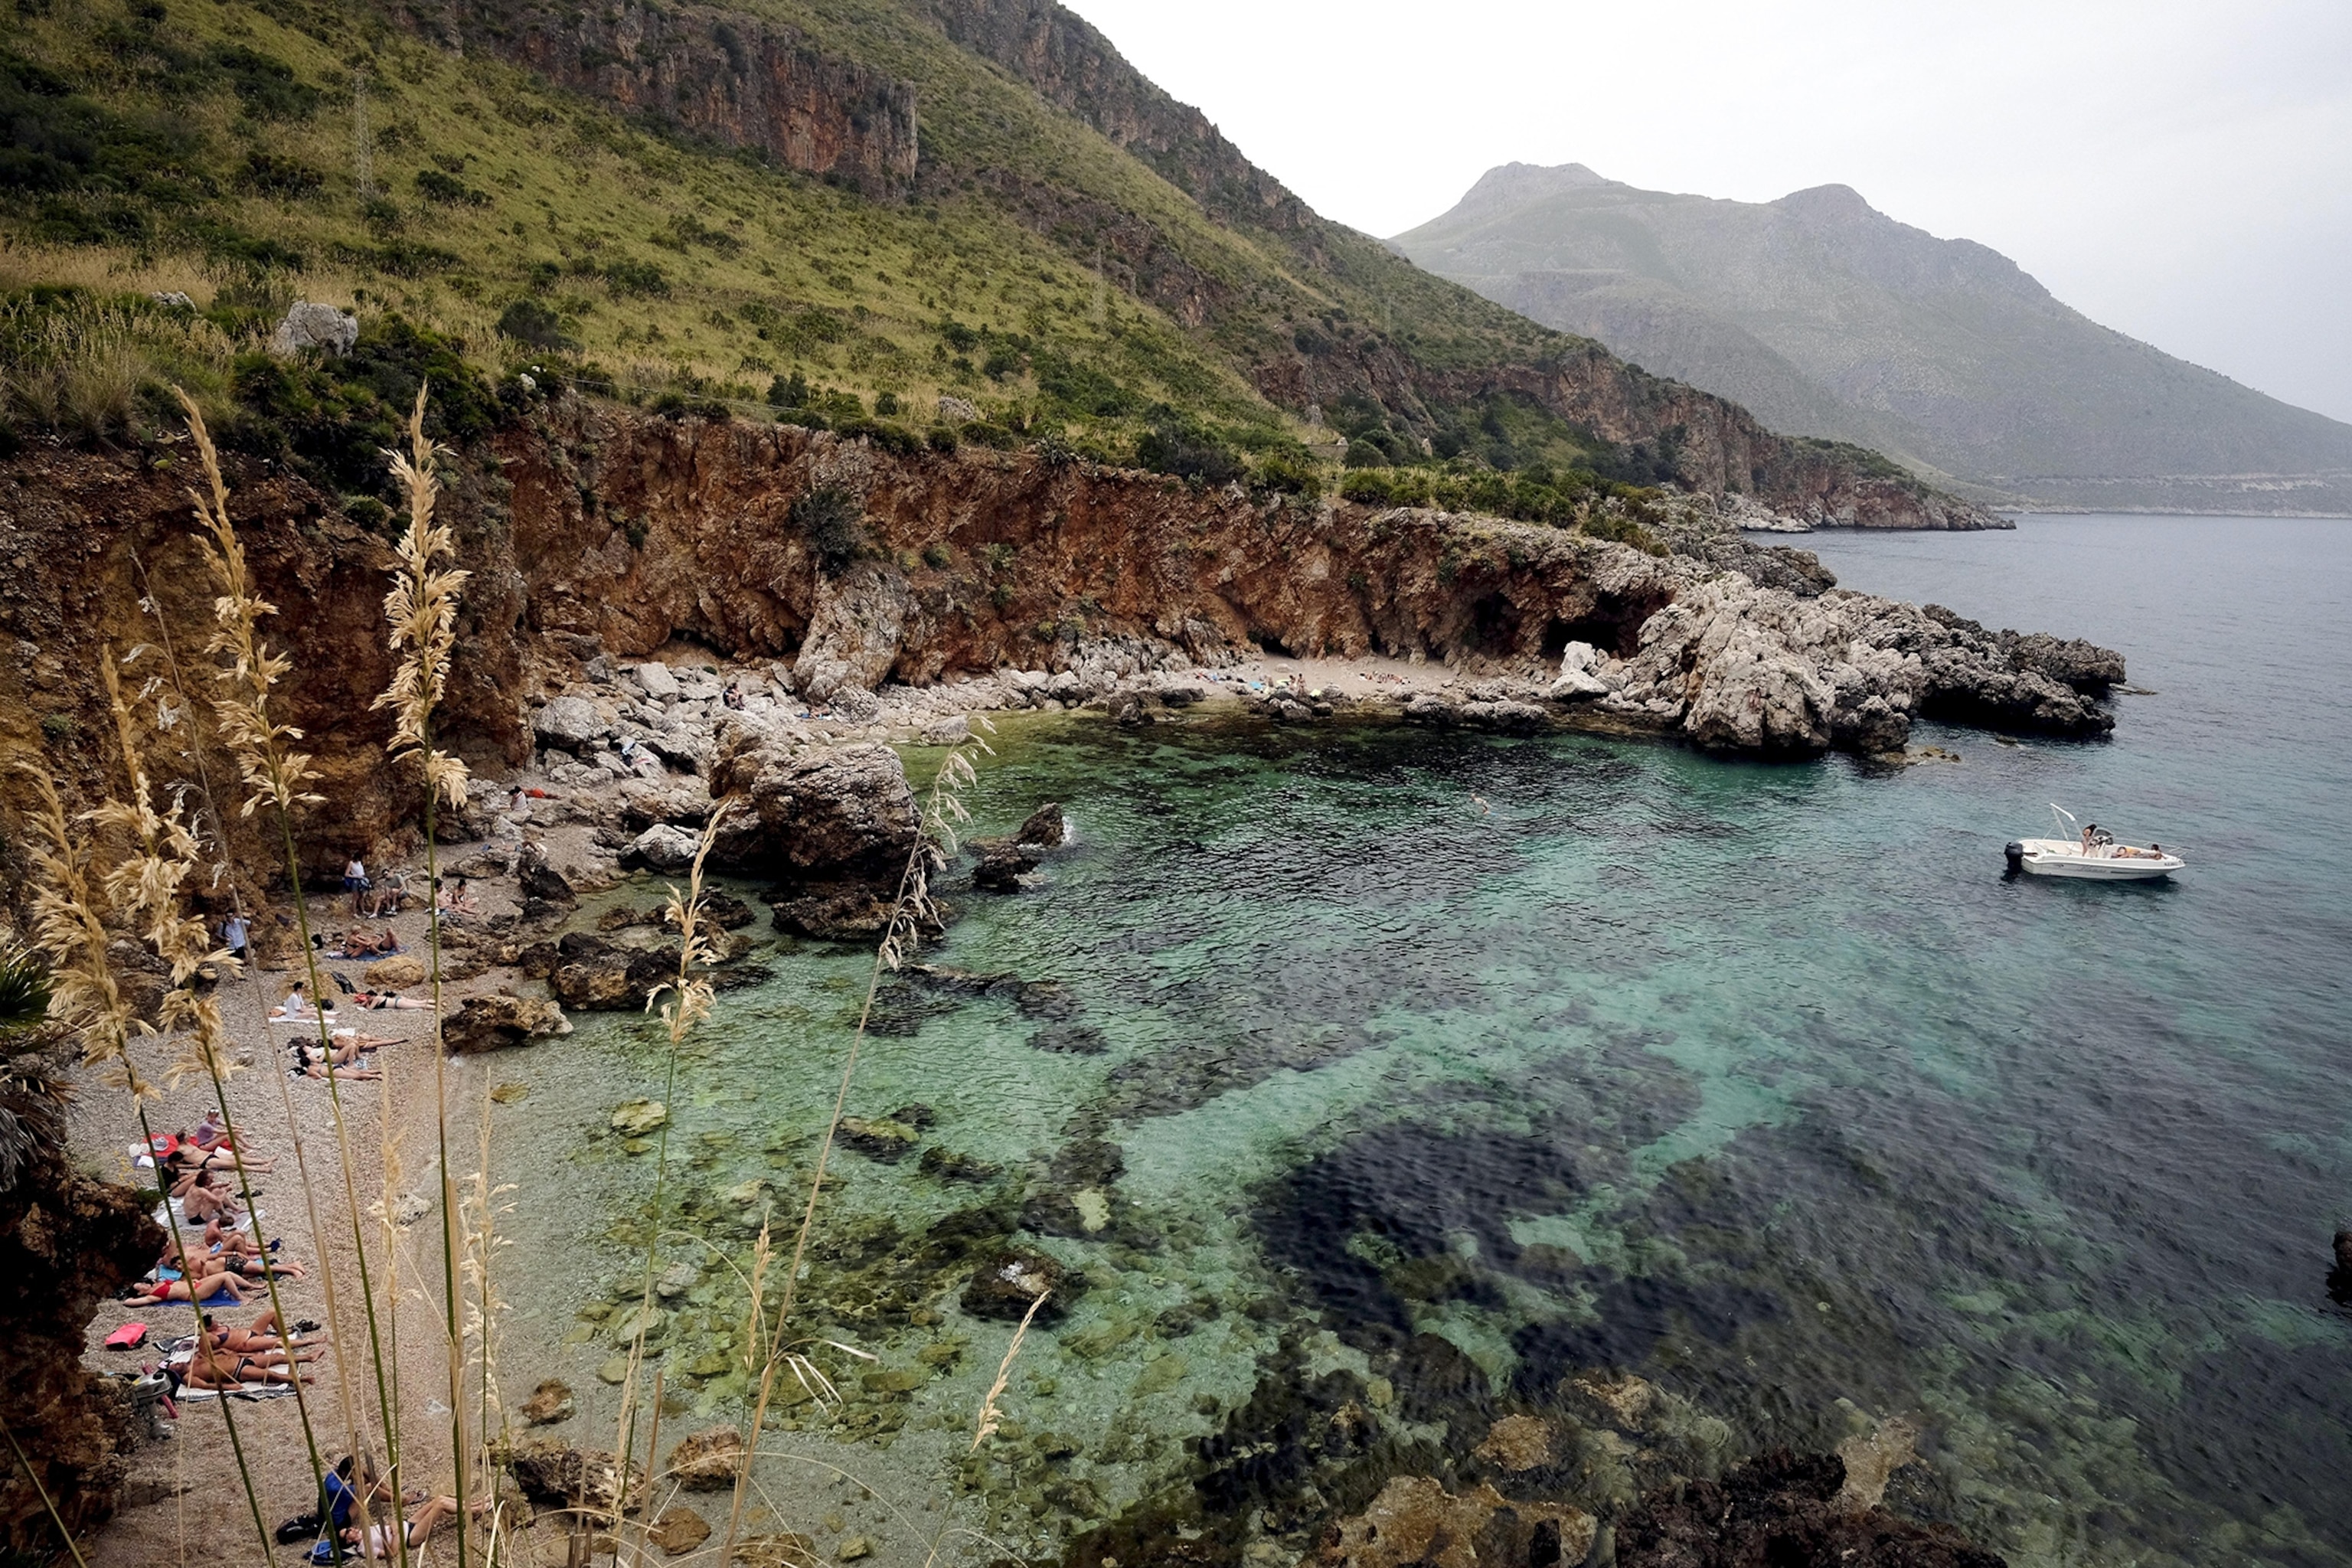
157 1292
210 1368
186 1155
359 944
377 1000
311 1061
266 1349
204 1202
376 1540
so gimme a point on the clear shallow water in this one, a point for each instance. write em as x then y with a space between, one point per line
1759 1081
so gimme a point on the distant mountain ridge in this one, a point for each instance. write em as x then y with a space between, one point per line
1824 317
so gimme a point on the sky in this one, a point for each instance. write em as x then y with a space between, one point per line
2180 170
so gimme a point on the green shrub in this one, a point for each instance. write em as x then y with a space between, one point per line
58 727
529 322
942 438
448 190
1288 477
1188 452
834 521
333 418
635 281
984 433
789 392
23 988
938 556
895 438
266 173
886 403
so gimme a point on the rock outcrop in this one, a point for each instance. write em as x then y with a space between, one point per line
496 1022
813 819
1416 1522
66 1240
1781 1507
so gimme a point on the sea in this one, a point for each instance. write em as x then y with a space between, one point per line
1441 1071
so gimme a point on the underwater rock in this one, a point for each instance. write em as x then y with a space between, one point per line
945 1165
636 1118
1623 1403
1517 1443
495 1022
549 1402
679 1530
1781 1507
1008 1283
727 912
2339 1279
879 1139
707 1461
1416 1523
855 1548
1071 1039
917 1115
1870 1458
1044 829
1435 1378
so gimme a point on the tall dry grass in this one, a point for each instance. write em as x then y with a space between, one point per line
79 366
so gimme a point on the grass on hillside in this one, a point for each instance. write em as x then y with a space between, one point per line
245 155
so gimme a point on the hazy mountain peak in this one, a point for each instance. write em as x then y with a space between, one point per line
1827 317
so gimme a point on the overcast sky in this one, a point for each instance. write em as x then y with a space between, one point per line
2180 170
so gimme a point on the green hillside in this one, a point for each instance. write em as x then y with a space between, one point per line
726 212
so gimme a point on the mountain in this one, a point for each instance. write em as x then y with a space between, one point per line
861 205
1825 317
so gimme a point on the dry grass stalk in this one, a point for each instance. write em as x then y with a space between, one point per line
271 771
689 999
910 913
990 1414
422 610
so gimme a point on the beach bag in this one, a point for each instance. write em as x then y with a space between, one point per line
129 1337
301 1527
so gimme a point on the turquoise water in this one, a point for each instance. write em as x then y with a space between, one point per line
1760 1081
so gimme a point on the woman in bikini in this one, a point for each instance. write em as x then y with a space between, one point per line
158 1292
215 1369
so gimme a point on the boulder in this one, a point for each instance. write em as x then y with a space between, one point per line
654 680
1009 1284
956 410
1044 827
841 816
952 730
663 848
835 915
496 1022
598 977
855 631
559 1476
308 326
397 972
539 880
569 723
707 1461
2339 1279
549 1402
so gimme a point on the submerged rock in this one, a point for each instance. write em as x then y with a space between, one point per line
879 1139
1781 1507
2339 1279
1416 1522
1010 1282
679 1530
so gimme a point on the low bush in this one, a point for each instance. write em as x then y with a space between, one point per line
835 522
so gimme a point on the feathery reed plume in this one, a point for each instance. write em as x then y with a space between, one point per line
422 610
689 1003
990 1414
169 719
84 995
935 843
272 772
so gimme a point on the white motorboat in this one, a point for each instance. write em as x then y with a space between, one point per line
2091 853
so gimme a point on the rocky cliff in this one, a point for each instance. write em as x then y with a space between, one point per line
65 1241
609 532
721 75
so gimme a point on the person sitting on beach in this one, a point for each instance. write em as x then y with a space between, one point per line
211 1133
458 900
297 1006
270 1349
201 1201
733 695
376 1541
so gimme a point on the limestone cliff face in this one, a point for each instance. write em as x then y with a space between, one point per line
723 75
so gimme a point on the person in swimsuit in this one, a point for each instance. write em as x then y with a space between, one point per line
155 1293
214 1368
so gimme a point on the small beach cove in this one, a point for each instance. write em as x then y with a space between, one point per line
1427 1072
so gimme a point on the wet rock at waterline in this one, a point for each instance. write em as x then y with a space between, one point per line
879 1138
2339 1279
1044 829
842 816
1011 1281
559 1476
596 975
1781 1507
836 914
1000 867
495 1022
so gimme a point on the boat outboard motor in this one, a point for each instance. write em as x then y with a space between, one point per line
2016 853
